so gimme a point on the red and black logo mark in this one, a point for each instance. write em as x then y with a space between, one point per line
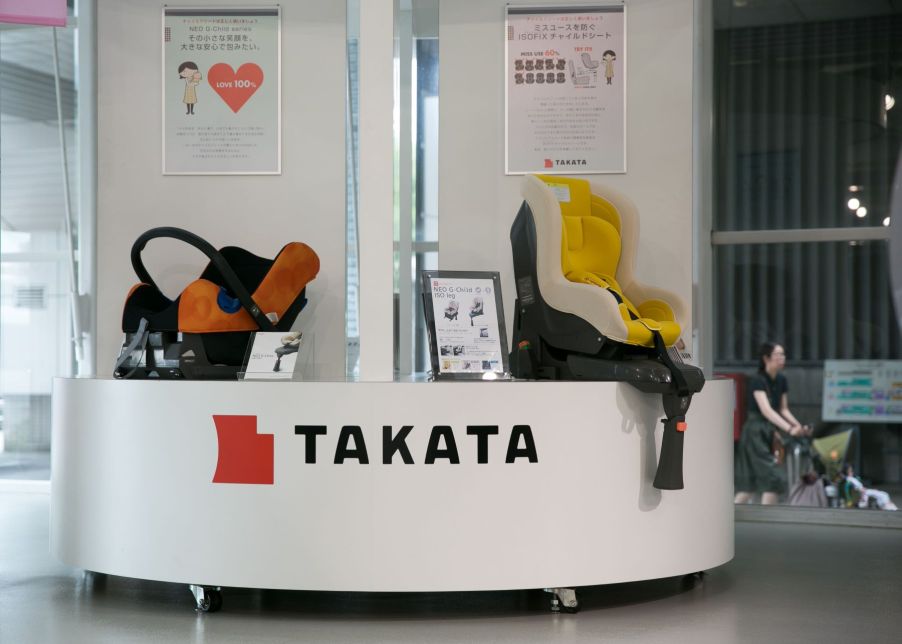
247 457
244 455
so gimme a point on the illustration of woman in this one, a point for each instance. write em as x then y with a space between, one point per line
191 74
609 57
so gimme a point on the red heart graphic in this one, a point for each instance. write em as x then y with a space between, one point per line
235 88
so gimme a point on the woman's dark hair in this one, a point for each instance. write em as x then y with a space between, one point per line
609 51
187 65
765 351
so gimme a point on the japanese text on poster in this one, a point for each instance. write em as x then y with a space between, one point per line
221 91
466 325
565 86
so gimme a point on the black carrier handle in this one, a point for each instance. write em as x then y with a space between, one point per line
231 279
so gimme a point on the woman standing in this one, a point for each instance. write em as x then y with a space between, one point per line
757 470
189 72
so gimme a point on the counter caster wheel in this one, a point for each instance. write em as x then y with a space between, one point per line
211 602
693 579
563 600
208 599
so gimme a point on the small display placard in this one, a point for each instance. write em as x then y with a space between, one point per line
272 355
465 321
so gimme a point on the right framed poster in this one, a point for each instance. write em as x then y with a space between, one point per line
565 89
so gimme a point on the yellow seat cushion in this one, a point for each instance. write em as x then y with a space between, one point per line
590 254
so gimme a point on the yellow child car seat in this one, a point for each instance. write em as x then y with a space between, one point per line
204 332
580 312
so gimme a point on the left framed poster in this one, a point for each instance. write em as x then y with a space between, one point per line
222 90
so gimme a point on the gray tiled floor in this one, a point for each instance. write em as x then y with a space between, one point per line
788 583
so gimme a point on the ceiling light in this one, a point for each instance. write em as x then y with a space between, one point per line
854 203
886 221
889 102
861 212
854 188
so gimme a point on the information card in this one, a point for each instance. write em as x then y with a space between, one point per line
272 355
466 323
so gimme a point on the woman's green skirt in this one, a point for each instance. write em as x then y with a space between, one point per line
756 469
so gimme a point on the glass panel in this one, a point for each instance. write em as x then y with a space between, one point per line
819 301
806 136
806 127
426 223
416 196
35 321
824 301
424 262
352 276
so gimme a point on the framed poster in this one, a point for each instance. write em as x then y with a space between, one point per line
862 391
222 90
565 89
465 324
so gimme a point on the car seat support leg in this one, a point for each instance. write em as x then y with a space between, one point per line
670 464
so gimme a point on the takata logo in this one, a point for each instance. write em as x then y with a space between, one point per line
556 163
244 455
247 457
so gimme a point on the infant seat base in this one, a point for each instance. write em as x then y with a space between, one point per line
170 355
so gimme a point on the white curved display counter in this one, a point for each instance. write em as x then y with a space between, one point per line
147 483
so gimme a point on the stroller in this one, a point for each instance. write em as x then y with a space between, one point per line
806 484
205 331
813 468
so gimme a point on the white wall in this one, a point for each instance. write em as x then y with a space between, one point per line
261 213
477 203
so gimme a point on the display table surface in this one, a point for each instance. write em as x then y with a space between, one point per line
134 462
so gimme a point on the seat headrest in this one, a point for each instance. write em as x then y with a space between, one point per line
573 195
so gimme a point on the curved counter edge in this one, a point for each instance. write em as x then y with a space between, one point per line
286 485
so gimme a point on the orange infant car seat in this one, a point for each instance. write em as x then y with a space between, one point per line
204 332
